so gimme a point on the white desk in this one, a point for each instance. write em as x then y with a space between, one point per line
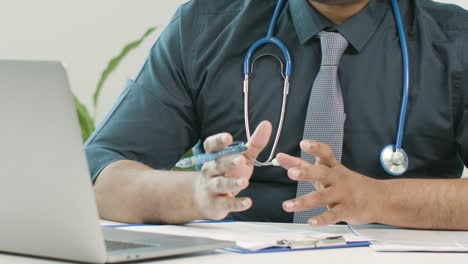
363 255
348 256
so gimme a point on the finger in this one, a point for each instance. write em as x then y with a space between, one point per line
323 152
319 175
231 204
239 168
319 186
300 170
217 142
220 166
310 200
243 169
223 185
287 161
258 141
330 217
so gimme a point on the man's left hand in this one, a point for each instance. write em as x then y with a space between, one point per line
350 196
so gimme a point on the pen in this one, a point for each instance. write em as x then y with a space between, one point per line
234 149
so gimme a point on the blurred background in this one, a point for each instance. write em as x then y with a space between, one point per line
85 35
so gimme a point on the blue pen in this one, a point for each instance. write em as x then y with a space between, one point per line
234 149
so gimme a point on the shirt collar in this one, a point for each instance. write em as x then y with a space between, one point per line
357 30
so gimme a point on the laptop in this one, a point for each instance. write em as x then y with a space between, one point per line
47 201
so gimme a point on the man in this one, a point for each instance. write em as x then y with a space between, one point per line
190 89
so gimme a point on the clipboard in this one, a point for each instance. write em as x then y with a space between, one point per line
334 242
285 249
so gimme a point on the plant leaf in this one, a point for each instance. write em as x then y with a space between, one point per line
114 63
85 119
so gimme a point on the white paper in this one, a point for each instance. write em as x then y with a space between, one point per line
388 238
250 236
417 246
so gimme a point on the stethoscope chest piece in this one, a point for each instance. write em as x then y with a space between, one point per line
394 161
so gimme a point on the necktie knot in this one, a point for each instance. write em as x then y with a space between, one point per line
333 46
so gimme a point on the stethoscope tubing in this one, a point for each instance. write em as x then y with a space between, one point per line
270 39
406 74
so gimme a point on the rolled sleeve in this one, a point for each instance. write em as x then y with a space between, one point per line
153 122
462 136
462 128
461 81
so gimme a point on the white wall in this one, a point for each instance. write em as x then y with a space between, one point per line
462 3
85 34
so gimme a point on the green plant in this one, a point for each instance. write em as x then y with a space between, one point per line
87 120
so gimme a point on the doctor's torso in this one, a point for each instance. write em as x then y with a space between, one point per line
191 88
371 82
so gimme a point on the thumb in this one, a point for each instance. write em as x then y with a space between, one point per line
259 140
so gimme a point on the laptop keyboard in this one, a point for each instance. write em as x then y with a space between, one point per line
117 245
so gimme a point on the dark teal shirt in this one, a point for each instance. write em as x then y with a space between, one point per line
190 87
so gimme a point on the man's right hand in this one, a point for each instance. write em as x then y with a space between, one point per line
221 180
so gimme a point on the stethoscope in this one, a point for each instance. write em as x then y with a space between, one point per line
393 158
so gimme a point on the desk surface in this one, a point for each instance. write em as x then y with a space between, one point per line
348 255
363 255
